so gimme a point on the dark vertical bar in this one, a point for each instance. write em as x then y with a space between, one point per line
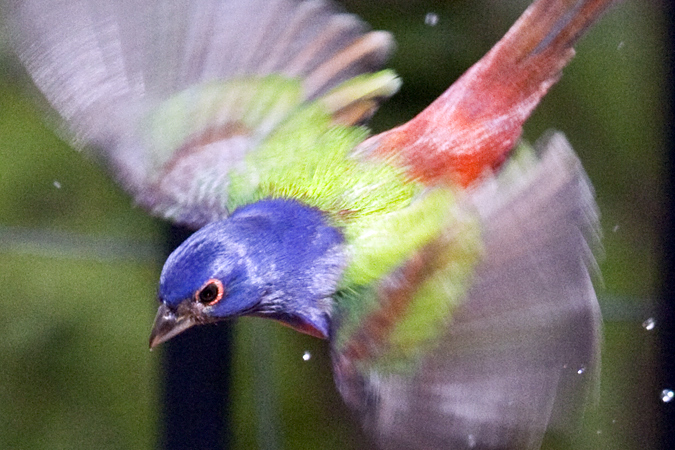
196 378
667 308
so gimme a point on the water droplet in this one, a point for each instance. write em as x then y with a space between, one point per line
620 46
306 356
599 432
431 19
57 185
471 441
615 229
581 370
667 395
649 324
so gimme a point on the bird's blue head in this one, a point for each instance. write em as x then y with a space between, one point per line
274 258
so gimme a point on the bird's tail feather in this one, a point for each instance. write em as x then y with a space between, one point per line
471 127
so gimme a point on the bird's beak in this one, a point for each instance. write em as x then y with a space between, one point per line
168 324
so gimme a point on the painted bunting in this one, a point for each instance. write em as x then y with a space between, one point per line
447 264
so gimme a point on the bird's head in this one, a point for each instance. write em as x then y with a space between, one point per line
275 258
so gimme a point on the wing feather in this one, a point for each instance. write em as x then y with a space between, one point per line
521 352
105 66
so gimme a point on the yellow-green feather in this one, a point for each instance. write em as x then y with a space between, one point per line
456 238
434 301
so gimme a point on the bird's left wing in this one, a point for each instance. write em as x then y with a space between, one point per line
519 353
173 94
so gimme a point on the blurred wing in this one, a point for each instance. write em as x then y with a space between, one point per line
478 120
521 352
173 94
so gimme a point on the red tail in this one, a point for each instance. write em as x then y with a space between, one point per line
474 124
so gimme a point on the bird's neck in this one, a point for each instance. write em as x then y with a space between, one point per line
302 258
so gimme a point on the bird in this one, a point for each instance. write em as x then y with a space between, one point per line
447 262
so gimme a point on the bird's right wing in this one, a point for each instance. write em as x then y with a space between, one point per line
173 94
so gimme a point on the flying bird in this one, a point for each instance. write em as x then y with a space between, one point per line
447 263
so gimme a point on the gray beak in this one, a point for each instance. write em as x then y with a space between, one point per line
167 325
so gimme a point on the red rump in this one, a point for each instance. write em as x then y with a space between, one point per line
471 128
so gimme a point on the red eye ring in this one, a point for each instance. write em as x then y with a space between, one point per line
210 293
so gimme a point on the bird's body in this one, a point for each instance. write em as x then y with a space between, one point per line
449 273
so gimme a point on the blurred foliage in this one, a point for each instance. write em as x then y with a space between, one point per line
74 316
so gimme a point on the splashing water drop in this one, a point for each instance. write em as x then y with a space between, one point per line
649 324
57 185
306 356
667 395
431 19
581 370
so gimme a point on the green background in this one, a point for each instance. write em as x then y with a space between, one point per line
79 263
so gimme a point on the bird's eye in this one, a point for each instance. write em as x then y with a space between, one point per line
210 293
